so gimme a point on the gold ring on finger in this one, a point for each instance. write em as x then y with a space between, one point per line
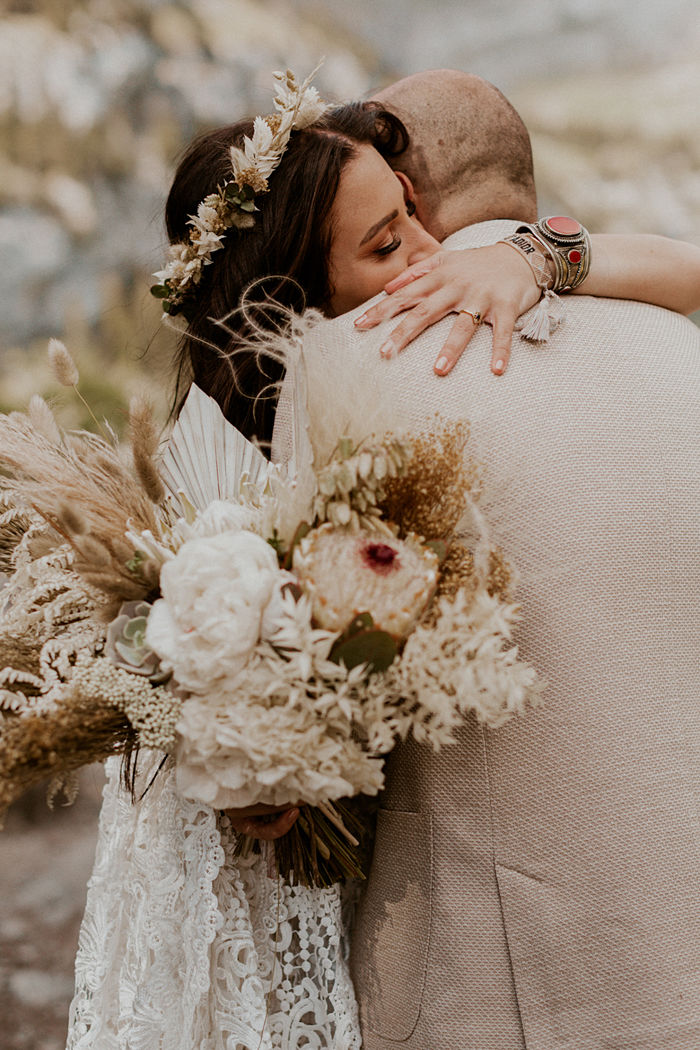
475 316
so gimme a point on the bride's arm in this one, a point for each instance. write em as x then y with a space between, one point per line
497 282
651 269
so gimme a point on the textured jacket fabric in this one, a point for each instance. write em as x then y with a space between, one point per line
537 887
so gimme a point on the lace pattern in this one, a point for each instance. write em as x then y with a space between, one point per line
184 947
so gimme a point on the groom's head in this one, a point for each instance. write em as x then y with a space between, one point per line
470 157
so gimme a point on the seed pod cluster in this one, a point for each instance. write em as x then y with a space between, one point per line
352 485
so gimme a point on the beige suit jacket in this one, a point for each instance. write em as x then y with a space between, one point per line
538 886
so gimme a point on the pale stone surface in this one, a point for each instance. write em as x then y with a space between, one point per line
45 861
36 988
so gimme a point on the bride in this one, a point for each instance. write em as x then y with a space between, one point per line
183 946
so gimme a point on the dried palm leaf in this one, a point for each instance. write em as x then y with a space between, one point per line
206 457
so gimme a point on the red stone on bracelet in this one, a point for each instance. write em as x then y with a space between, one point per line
564 225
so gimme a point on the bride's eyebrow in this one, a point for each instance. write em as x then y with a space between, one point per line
373 230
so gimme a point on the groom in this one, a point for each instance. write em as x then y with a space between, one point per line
537 887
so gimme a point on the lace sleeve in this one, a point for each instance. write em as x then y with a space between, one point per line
182 946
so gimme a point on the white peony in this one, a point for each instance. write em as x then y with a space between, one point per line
225 516
214 593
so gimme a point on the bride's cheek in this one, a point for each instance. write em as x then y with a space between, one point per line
400 263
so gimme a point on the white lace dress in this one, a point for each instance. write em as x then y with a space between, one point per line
184 947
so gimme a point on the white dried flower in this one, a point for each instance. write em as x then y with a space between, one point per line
206 243
149 548
339 513
364 465
208 217
462 663
380 466
354 481
300 102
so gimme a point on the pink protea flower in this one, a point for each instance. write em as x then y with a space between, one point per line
346 574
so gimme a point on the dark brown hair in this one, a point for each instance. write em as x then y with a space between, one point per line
283 258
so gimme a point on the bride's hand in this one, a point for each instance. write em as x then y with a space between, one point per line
260 822
494 281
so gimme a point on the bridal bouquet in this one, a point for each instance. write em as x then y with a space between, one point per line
273 632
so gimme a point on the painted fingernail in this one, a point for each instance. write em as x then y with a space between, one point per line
362 322
498 367
441 364
388 348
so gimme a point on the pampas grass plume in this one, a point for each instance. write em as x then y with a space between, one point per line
144 445
70 520
43 419
93 553
62 364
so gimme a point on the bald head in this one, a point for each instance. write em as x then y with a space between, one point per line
470 157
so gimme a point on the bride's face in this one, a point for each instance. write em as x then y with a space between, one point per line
375 236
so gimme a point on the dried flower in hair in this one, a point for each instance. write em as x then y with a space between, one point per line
233 204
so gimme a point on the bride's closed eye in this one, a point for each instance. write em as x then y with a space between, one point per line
386 249
395 243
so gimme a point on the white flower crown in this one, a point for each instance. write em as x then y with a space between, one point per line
233 203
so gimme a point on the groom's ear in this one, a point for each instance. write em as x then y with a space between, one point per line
409 194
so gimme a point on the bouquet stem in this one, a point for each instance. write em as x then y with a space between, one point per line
329 843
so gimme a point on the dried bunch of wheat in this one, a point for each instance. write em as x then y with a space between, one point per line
38 745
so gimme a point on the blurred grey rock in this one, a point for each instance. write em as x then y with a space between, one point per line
12 930
34 249
36 988
93 113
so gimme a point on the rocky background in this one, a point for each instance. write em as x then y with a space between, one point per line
97 98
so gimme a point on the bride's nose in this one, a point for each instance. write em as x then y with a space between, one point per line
422 244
